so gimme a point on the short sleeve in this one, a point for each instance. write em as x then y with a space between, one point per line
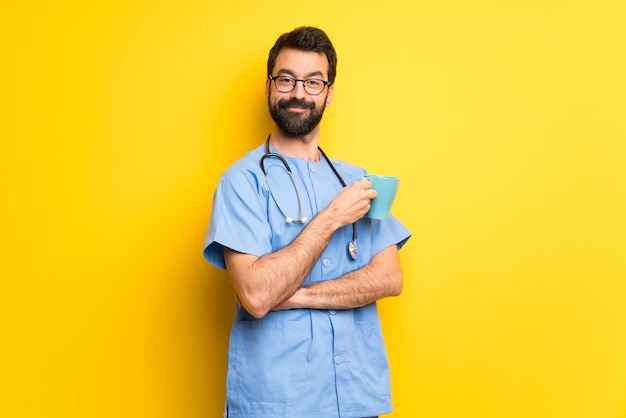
238 219
387 232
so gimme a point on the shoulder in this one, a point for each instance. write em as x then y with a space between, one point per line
245 170
350 171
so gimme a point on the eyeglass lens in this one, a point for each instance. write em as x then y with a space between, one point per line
286 84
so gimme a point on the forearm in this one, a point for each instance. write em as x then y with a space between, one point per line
262 283
381 278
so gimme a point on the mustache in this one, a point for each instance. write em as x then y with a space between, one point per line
283 103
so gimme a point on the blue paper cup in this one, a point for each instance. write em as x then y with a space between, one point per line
387 187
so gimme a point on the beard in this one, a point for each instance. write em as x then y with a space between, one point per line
296 124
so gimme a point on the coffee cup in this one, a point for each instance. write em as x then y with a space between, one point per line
387 187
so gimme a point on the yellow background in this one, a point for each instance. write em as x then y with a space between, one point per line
504 120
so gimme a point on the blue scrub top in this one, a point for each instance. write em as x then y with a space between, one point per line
303 362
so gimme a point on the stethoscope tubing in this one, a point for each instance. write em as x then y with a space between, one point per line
352 245
288 219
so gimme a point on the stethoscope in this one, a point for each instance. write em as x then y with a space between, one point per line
302 219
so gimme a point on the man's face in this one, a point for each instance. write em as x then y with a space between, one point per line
297 113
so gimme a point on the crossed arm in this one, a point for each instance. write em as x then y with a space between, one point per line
273 282
382 277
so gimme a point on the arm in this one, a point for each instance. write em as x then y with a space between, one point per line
261 283
382 277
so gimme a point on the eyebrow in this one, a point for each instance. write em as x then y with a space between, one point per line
291 73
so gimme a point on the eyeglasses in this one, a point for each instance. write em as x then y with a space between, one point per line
286 84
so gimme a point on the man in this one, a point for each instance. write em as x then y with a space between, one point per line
306 341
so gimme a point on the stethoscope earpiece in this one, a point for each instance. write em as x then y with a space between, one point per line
290 220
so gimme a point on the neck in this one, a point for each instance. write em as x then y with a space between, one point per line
303 147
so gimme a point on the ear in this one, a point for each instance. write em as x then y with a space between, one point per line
329 95
267 88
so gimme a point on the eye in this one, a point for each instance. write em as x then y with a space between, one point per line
314 82
284 80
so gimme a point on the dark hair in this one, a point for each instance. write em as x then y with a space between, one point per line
305 38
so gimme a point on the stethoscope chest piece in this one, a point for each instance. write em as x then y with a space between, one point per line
352 249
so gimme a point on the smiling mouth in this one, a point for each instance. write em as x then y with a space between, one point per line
296 109
296 106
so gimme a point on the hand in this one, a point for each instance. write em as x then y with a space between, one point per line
353 202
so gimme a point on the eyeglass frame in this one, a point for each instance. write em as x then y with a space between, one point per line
274 77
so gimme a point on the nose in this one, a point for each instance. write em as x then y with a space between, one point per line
298 91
